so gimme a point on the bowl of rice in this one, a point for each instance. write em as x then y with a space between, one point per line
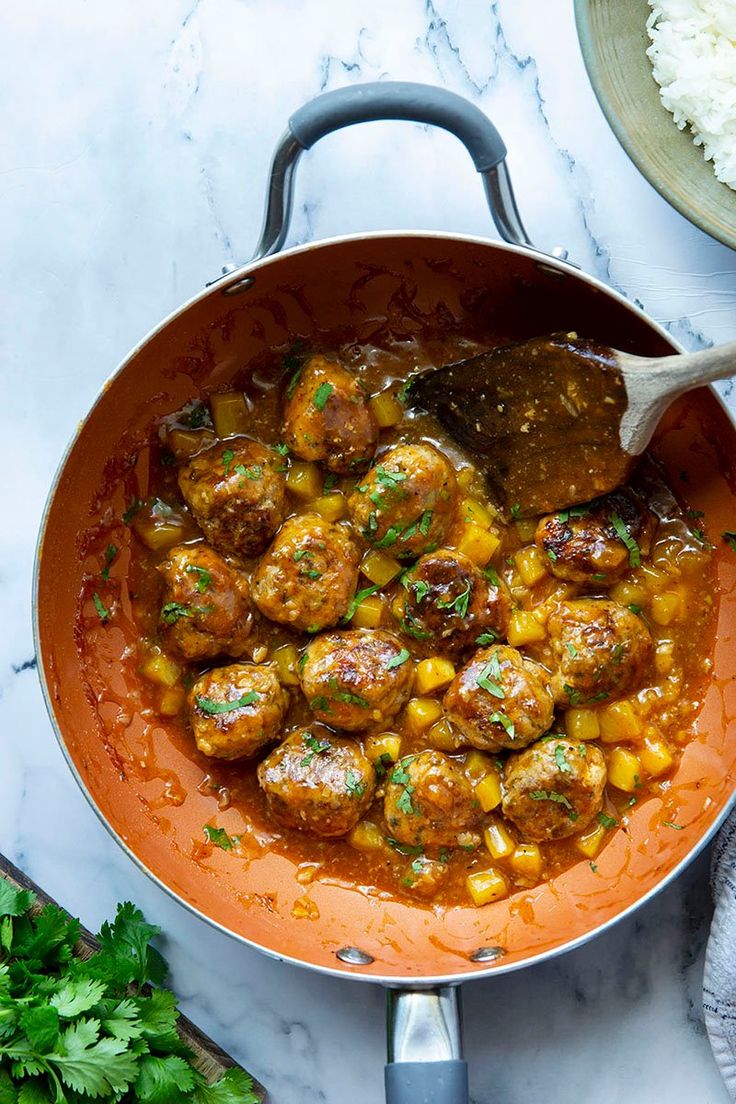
664 72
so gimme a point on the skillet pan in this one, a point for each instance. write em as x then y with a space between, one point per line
325 291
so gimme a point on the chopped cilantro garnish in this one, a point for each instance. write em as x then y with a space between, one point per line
607 821
670 824
110 553
320 704
354 786
390 479
253 473
310 573
572 512
626 538
197 416
561 760
460 603
505 722
357 599
571 650
552 795
227 458
729 536
404 803
212 708
322 394
489 678
593 866
516 510
301 553
220 838
133 508
316 747
397 660
389 537
172 611
403 848
488 637
573 695
346 696
492 576
552 554
282 449
425 522
102 611
329 483
635 608
203 580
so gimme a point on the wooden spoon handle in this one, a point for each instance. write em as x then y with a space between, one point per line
675 374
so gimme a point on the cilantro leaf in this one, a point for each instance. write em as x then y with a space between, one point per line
162 1080
91 1065
14 902
322 394
219 837
234 1087
77 995
397 660
211 708
626 538
41 1026
128 955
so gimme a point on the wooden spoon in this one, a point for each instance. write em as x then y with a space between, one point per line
559 420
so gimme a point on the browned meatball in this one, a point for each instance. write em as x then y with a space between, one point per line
235 711
405 502
598 650
450 601
318 782
237 493
500 699
429 801
554 788
595 543
205 609
328 418
308 576
356 679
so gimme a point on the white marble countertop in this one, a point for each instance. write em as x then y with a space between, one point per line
136 142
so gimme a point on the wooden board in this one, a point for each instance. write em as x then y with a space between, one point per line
209 1058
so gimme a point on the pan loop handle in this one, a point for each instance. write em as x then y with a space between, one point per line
425 1058
419 103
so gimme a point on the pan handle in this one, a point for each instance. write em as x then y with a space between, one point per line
362 103
425 1063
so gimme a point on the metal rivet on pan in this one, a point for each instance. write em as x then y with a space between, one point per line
239 286
548 269
354 956
487 954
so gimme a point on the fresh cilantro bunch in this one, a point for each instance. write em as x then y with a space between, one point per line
73 1030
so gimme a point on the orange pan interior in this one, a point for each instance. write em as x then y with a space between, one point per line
327 293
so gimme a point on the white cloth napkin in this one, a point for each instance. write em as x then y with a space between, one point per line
719 979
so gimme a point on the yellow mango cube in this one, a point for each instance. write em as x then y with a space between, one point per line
159 533
619 721
664 657
624 770
382 743
526 861
186 442
590 842
331 506
473 512
304 480
525 529
654 579
366 836
229 413
498 842
171 701
478 544
488 791
477 764
386 409
485 886
161 669
667 607
433 674
531 565
422 712
441 736
287 660
369 613
379 568
630 594
524 628
655 755
582 724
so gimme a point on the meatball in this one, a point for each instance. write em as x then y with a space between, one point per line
318 782
554 788
595 543
405 502
205 609
328 418
598 650
451 601
429 801
237 710
236 491
500 700
309 574
356 679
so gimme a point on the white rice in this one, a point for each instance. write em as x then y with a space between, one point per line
693 56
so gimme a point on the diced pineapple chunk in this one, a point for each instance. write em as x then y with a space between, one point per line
171 701
667 607
478 544
624 770
664 657
530 564
304 480
161 669
498 841
630 594
524 629
386 408
366 836
380 568
159 533
656 757
465 477
422 712
186 442
589 843
477 764
331 506
485 886
655 579
619 721
369 613
434 674
229 413
441 736
383 743
582 724
527 861
488 791
473 512
287 660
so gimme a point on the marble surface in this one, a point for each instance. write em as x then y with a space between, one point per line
132 166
